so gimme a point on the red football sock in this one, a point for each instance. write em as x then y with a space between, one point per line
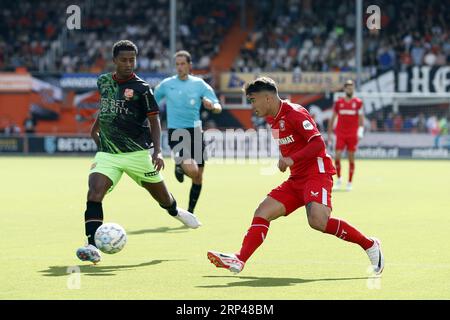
345 231
338 167
351 171
254 237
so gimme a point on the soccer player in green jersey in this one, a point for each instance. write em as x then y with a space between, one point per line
123 142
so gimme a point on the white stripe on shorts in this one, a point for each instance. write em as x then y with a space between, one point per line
324 196
320 164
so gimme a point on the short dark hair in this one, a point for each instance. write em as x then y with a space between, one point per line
260 84
124 45
349 82
184 53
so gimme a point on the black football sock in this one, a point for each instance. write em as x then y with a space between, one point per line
179 172
93 219
172 209
194 194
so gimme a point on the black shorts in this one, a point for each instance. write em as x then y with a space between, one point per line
188 143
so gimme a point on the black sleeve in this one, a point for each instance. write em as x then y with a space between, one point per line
148 101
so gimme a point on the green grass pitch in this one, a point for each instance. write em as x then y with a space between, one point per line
406 204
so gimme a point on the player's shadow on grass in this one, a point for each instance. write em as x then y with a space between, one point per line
159 230
270 282
95 270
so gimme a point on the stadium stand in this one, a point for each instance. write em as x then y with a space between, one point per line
287 36
293 36
319 36
30 33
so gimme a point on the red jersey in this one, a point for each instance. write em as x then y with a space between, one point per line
348 112
293 127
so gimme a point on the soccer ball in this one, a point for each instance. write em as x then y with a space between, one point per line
110 238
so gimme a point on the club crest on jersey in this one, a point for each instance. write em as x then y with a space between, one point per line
354 105
128 94
307 125
282 125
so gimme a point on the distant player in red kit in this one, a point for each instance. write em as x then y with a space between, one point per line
303 151
349 129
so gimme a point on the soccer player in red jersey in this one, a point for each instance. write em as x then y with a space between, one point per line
349 129
303 151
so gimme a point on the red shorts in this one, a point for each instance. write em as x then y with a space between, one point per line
342 141
297 192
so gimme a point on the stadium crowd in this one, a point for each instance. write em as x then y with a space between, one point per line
34 34
298 35
434 123
294 35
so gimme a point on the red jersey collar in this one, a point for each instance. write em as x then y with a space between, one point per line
123 80
270 118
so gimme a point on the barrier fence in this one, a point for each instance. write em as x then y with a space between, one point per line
233 144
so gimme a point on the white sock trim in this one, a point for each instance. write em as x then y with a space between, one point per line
259 225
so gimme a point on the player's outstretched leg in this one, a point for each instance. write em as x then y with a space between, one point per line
319 219
270 209
226 260
187 218
166 200
376 256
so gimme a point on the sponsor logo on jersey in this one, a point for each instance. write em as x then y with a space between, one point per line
128 93
307 125
286 140
315 194
113 106
348 112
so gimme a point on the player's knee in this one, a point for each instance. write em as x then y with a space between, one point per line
190 170
317 221
262 212
316 224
